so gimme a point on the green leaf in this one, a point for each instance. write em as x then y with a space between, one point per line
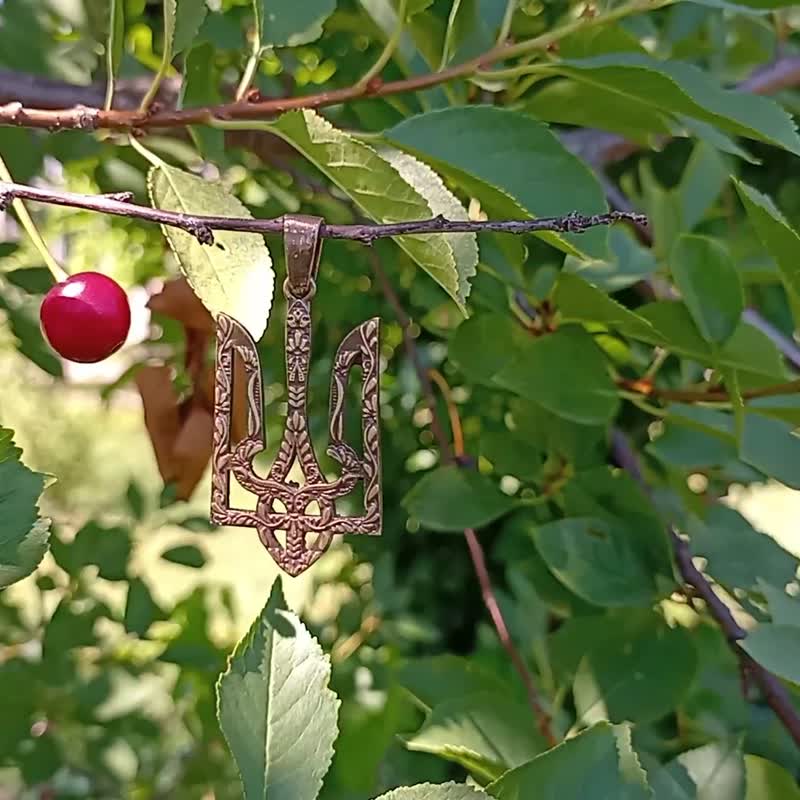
232 276
601 754
434 791
565 372
567 102
638 671
737 554
441 202
766 780
747 349
512 161
23 534
141 610
776 648
187 555
597 560
783 608
580 301
114 45
28 331
710 285
485 733
378 189
627 263
287 23
275 708
189 16
681 88
451 499
716 769
109 548
483 344
446 678
771 446
706 173
778 237
199 88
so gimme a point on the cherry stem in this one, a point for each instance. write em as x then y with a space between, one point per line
58 272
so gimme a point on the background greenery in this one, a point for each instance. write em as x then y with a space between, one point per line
586 362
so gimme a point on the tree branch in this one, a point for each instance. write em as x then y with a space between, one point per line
203 226
774 692
646 389
92 117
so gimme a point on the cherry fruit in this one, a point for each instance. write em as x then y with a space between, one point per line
86 318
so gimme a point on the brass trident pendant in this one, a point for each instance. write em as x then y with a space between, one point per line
308 534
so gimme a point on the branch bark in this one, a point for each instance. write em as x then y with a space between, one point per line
202 226
774 692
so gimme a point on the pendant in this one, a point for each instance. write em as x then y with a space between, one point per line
305 512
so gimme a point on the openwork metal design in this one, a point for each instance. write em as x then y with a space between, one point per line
305 512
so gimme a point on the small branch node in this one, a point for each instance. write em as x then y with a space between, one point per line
199 230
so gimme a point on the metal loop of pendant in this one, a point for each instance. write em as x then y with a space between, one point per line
303 244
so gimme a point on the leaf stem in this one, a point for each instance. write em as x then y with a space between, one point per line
57 271
505 25
389 48
166 62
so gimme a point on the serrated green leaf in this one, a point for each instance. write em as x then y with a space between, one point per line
232 276
287 23
680 88
710 285
597 560
377 188
513 161
776 648
23 534
578 386
275 708
441 201
603 752
434 791
451 499
485 733
778 237
187 555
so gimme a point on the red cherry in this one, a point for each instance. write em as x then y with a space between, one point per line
86 318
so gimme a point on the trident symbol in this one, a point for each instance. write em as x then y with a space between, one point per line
284 504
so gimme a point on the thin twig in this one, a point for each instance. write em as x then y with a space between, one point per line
647 389
775 694
450 455
92 118
201 226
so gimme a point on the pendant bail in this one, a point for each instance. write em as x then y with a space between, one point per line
303 245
